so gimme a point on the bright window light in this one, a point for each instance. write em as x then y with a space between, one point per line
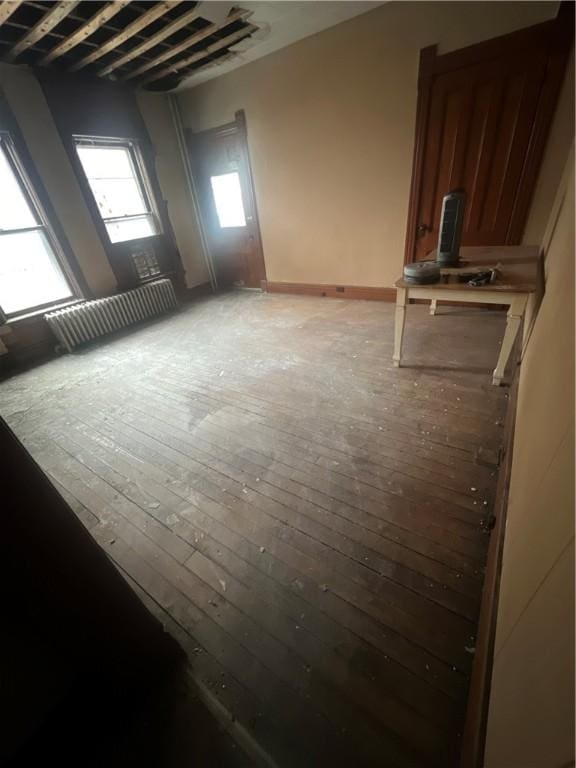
30 274
117 188
15 211
228 200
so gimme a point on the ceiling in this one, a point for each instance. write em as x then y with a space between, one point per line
158 45
149 44
279 24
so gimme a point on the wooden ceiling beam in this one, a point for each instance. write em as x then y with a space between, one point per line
87 29
168 30
109 25
7 8
132 29
174 68
50 19
187 43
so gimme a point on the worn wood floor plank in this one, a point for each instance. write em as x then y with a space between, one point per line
154 483
454 632
269 497
304 518
416 542
395 645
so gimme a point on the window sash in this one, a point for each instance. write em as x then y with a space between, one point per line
30 273
138 171
131 229
18 230
9 152
112 219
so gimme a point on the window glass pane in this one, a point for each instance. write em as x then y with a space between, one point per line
117 197
29 272
15 212
131 229
111 176
106 162
228 200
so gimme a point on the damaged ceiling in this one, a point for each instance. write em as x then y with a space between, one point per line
158 45
155 45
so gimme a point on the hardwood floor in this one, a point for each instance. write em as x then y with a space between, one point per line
304 518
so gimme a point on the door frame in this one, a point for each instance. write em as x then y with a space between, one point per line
557 34
239 128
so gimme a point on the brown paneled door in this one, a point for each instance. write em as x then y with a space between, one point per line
221 167
483 117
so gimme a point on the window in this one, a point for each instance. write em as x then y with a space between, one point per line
31 265
228 200
116 176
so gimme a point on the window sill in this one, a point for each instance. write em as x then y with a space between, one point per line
130 240
37 312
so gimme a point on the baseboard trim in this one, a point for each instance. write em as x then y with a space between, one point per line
369 293
475 726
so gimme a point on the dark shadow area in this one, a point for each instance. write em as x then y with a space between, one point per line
445 310
477 369
89 676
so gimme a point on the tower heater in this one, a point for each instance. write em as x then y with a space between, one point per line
451 220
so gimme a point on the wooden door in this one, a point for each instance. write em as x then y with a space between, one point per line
221 167
483 116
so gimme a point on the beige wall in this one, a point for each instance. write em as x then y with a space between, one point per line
531 721
155 110
331 131
27 102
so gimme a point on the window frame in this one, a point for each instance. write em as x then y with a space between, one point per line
140 174
9 149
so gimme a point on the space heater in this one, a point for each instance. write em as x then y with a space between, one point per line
451 220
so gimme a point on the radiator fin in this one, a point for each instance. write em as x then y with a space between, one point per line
77 325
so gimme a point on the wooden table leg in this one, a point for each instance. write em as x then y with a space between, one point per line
399 325
513 321
433 306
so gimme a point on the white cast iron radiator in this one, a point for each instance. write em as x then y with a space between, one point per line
76 325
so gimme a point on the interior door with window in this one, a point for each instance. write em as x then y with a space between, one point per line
221 167
483 117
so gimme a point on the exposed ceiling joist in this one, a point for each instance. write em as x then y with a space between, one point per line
39 30
170 29
132 29
7 8
165 40
87 29
174 68
187 43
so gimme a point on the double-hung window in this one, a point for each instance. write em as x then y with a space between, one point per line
116 175
32 269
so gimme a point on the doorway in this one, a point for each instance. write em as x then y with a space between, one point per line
482 121
221 166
